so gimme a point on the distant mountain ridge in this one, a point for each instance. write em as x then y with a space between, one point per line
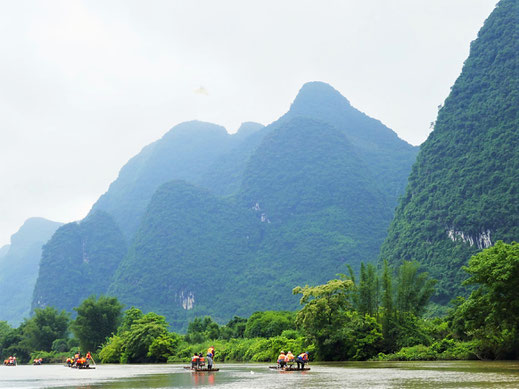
185 152
227 224
19 266
463 192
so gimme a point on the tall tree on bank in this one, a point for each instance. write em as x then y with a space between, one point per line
491 313
463 191
97 319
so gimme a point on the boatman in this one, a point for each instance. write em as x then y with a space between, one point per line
301 360
210 356
281 360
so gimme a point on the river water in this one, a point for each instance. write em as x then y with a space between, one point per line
422 375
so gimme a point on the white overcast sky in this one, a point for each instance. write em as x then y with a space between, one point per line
84 85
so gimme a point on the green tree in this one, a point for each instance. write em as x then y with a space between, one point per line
267 324
6 332
138 340
414 289
202 329
163 346
112 350
491 313
368 290
388 318
40 331
130 316
324 316
235 328
97 319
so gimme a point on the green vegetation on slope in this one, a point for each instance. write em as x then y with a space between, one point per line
185 259
375 315
78 261
463 192
185 152
305 195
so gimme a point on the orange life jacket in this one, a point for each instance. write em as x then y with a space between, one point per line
195 357
281 358
290 357
202 359
303 356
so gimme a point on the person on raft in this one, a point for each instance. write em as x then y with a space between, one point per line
195 361
82 362
210 356
77 356
282 360
302 359
201 360
290 359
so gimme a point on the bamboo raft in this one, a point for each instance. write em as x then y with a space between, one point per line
199 368
289 368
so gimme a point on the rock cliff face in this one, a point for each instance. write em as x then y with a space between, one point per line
463 192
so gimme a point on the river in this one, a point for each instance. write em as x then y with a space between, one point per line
422 375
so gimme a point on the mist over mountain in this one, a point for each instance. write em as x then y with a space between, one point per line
3 250
19 263
463 192
185 152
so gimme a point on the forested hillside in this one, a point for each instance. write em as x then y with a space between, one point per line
261 210
78 261
19 267
185 152
308 204
463 192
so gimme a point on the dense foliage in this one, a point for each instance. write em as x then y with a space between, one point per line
96 320
46 330
490 315
463 192
79 261
377 314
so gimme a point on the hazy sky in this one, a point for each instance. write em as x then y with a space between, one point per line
86 84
